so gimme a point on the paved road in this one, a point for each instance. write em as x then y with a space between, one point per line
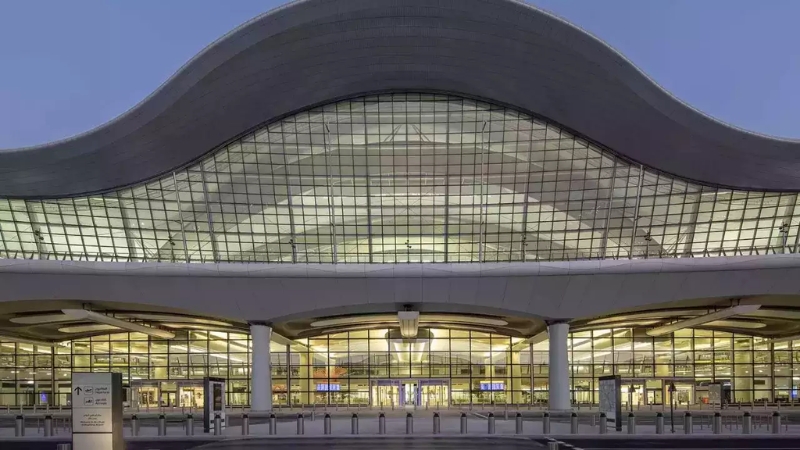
738 443
336 443
443 443
137 445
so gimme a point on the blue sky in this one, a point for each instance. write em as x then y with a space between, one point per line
69 66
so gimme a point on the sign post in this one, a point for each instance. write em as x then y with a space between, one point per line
97 411
213 402
611 399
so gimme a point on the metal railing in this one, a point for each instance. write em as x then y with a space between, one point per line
441 422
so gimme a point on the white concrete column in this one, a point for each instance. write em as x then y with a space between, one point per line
559 367
261 372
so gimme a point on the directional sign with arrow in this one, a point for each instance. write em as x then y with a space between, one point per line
78 390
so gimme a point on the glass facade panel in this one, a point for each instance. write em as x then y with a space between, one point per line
404 178
458 367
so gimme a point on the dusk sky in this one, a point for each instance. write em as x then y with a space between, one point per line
69 66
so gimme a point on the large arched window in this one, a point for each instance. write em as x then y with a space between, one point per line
399 178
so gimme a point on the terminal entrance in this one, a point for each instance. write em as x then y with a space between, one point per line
415 392
153 394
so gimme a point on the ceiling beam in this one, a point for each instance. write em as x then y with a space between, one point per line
82 314
780 340
700 320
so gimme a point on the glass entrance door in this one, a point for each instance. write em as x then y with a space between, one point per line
387 393
655 397
434 393
191 396
147 396
385 396
410 394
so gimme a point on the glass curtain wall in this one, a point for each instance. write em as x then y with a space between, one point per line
401 178
748 369
448 367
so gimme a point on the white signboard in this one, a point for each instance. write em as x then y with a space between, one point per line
610 401
91 404
93 416
608 398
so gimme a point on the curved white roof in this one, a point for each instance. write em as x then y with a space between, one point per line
316 51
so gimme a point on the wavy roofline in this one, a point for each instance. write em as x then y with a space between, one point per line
652 80
198 56
692 130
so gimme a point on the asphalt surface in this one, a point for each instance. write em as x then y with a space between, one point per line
137 445
443 442
337 443
729 443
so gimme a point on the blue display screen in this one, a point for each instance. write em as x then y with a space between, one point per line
323 387
492 386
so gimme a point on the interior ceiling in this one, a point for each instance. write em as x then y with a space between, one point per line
506 325
778 316
44 320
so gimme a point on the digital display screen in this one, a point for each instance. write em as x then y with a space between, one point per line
492 386
217 396
323 387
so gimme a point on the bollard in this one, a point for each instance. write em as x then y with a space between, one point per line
659 423
463 423
437 424
603 423
301 424
552 445
573 423
245 425
716 425
354 424
518 428
631 424
381 423
490 423
687 423
776 423
747 423
162 425
190 425
594 421
64 446
327 423
273 424
19 426
546 423
217 425
48 425
134 425
409 424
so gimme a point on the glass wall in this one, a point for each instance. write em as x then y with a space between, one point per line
404 178
448 366
372 367
748 369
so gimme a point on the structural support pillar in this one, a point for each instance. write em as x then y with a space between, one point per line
559 367
261 372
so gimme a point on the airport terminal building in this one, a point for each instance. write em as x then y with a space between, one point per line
398 203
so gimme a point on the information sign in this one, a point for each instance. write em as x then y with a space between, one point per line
611 399
97 411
